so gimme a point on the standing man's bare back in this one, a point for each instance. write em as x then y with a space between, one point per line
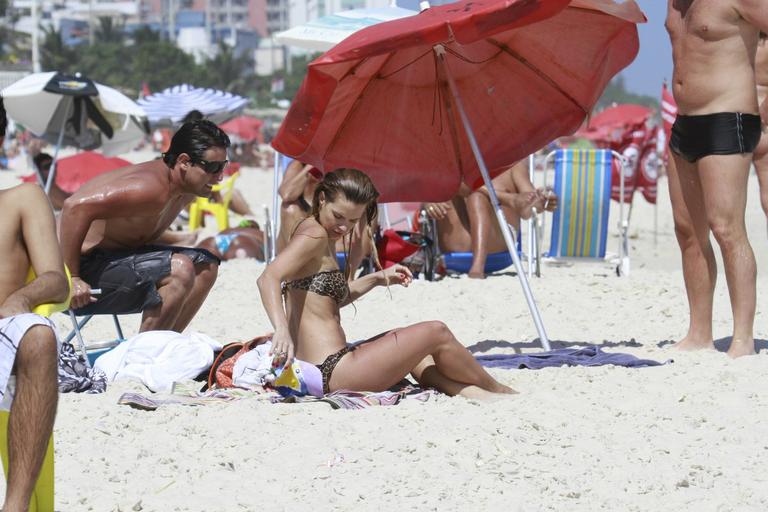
108 227
760 157
717 129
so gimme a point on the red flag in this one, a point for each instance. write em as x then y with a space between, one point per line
668 111
648 166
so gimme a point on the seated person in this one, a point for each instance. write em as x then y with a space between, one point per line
30 346
57 196
468 223
244 241
307 325
297 194
108 226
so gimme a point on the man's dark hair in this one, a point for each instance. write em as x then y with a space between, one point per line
194 139
3 118
192 116
762 35
43 161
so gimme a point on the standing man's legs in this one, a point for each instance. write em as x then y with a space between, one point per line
32 414
760 159
723 181
699 268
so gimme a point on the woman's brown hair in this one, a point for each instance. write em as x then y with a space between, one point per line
356 187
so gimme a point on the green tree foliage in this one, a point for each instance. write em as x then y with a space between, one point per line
54 54
226 71
617 92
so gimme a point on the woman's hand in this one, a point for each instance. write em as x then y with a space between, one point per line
396 274
282 350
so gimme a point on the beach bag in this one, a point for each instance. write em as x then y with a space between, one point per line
220 374
414 250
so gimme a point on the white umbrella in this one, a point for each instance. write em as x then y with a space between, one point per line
171 105
75 111
324 33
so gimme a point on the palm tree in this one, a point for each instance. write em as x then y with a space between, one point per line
54 54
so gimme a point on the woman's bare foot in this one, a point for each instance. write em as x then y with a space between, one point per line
741 348
476 275
478 393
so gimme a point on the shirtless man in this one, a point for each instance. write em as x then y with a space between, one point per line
760 156
717 128
468 222
107 228
30 345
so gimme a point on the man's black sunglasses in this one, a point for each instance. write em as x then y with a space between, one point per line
214 167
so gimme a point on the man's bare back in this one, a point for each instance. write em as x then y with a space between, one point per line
139 222
713 72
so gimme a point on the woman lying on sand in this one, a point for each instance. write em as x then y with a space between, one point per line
314 288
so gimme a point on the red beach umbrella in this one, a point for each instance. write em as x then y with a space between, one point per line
247 128
423 103
527 71
73 171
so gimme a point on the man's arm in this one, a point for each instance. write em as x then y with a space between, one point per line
294 182
120 198
38 229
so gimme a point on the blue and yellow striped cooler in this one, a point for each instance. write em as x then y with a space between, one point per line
583 185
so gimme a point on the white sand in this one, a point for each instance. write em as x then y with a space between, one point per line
686 436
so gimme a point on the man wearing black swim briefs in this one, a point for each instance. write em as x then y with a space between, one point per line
110 227
717 129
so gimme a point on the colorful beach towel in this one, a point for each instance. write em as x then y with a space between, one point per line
591 355
344 399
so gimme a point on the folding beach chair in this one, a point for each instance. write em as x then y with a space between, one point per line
43 493
580 224
220 210
93 350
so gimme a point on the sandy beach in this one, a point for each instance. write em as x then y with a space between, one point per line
688 435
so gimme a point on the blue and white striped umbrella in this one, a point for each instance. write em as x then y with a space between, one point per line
169 107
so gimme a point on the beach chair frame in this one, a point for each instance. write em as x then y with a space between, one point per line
93 350
621 261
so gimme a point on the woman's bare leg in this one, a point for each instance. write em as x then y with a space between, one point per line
380 364
428 376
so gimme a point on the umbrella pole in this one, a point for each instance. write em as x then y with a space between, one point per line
275 207
507 231
54 164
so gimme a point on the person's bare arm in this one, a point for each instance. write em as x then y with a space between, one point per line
294 182
38 229
309 242
396 274
120 198
756 13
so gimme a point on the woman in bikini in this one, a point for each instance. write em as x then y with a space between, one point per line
244 241
308 325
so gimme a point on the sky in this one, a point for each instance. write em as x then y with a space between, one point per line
654 61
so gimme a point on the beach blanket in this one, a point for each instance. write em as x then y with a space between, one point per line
74 374
344 399
591 355
151 403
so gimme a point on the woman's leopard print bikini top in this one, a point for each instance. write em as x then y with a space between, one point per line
330 283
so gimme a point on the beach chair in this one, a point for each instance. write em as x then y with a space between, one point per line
93 350
43 493
580 224
220 210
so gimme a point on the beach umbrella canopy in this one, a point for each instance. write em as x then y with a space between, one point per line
325 32
73 171
245 128
76 111
458 93
171 105
527 72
